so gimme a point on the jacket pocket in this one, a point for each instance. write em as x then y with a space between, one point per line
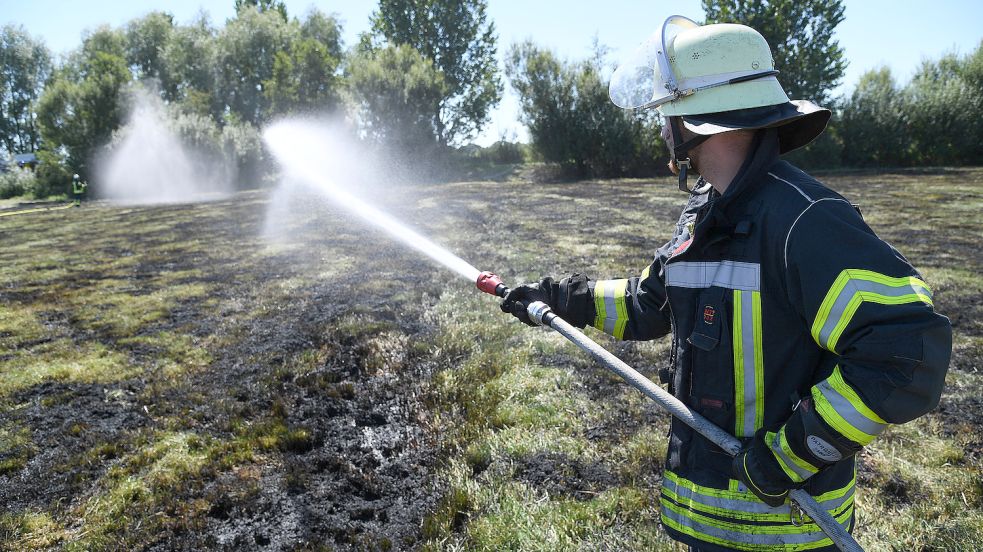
712 383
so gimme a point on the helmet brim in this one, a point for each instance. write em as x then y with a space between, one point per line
798 121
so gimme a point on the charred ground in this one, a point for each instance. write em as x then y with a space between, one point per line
172 380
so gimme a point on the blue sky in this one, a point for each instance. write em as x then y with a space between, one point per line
898 34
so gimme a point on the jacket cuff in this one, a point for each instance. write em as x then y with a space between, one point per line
806 444
842 409
611 307
571 298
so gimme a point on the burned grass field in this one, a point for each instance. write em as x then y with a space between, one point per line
171 379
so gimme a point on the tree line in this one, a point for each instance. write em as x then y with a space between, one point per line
423 81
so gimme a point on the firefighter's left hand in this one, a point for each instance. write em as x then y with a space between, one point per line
757 467
570 298
517 299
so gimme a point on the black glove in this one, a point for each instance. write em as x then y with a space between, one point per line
570 298
757 467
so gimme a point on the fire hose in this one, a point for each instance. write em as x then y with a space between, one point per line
36 210
542 314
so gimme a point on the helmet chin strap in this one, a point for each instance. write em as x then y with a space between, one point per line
680 153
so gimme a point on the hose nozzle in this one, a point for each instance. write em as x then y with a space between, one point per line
491 284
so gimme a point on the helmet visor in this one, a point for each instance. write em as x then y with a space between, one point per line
645 78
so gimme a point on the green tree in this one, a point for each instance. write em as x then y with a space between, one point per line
943 109
275 6
191 64
280 90
572 121
324 29
395 89
82 105
800 33
25 64
314 73
246 53
873 125
305 77
971 69
460 41
147 39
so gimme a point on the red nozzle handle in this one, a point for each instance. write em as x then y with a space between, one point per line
491 284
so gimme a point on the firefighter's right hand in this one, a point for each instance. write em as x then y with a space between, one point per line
518 299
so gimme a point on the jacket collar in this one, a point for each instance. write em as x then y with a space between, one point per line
719 216
764 153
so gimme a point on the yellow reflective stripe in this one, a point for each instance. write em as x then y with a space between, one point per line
738 340
743 504
797 469
837 382
691 504
851 289
753 537
839 493
748 363
829 414
610 307
708 491
645 273
600 312
759 363
841 407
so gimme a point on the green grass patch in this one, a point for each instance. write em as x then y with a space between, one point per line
18 325
65 361
124 315
16 448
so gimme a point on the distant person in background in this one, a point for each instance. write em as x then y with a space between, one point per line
794 326
78 189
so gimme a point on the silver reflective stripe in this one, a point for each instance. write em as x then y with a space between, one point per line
725 274
752 505
791 464
750 374
750 537
742 507
611 308
848 412
855 286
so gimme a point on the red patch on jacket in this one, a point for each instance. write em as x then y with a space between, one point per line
682 247
712 403
709 313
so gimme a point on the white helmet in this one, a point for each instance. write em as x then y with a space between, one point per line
688 69
715 78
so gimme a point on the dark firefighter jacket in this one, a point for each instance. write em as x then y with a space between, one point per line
777 291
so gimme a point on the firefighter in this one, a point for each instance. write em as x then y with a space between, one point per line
78 189
793 325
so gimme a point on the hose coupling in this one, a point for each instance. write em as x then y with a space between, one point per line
540 313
